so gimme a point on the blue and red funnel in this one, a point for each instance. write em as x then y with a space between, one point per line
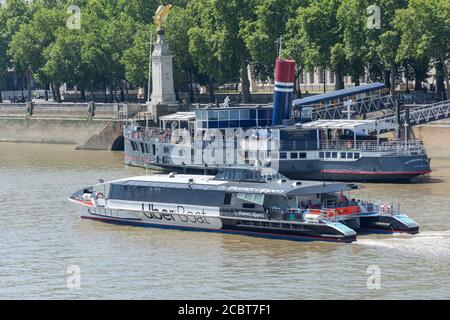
284 90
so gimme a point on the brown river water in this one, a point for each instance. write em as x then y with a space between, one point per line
41 236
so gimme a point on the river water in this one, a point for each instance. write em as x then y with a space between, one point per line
42 238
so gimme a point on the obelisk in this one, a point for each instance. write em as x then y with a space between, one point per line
163 94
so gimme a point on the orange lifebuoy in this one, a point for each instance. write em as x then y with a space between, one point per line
349 145
331 213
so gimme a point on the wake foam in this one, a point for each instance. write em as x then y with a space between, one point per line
429 244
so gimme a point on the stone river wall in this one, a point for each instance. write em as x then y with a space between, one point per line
74 123
92 128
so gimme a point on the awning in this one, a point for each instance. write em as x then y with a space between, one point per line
179 116
339 94
365 125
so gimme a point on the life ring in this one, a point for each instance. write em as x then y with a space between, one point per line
331 213
349 144
384 208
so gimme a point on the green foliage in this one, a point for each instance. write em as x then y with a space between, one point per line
215 40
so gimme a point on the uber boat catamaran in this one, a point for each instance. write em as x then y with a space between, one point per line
253 201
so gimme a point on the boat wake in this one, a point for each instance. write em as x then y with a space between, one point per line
429 244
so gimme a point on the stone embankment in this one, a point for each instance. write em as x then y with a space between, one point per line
90 126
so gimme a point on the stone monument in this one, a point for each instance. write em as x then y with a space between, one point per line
163 100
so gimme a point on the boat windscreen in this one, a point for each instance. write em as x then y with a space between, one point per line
249 175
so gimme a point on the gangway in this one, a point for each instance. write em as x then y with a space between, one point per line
417 115
350 108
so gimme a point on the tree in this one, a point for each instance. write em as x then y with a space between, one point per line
314 34
261 33
136 58
352 20
178 25
425 33
29 42
216 41
12 16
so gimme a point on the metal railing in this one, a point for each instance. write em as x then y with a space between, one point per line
420 114
392 208
358 107
394 146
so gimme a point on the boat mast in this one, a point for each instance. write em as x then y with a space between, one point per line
150 69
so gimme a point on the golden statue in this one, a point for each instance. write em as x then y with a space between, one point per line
161 14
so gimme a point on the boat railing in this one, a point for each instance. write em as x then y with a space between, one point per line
376 206
147 134
392 146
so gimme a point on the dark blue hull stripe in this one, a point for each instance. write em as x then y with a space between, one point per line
228 231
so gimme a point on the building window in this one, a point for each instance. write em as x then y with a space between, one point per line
311 77
332 77
322 75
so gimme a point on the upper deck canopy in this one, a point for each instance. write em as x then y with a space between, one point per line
208 183
179 116
330 96
355 125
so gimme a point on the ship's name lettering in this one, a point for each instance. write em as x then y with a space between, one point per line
170 217
179 210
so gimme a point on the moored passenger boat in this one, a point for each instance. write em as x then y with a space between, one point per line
255 202
212 138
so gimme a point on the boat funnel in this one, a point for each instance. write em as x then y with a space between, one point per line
284 90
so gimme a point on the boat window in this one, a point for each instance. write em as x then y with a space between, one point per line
356 156
245 115
227 200
156 194
283 155
294 155
349 155
223 115
142 148
343 155
166 149
257 198
234 114
334 155
248 206
321 155
303 155
213 115
328 155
